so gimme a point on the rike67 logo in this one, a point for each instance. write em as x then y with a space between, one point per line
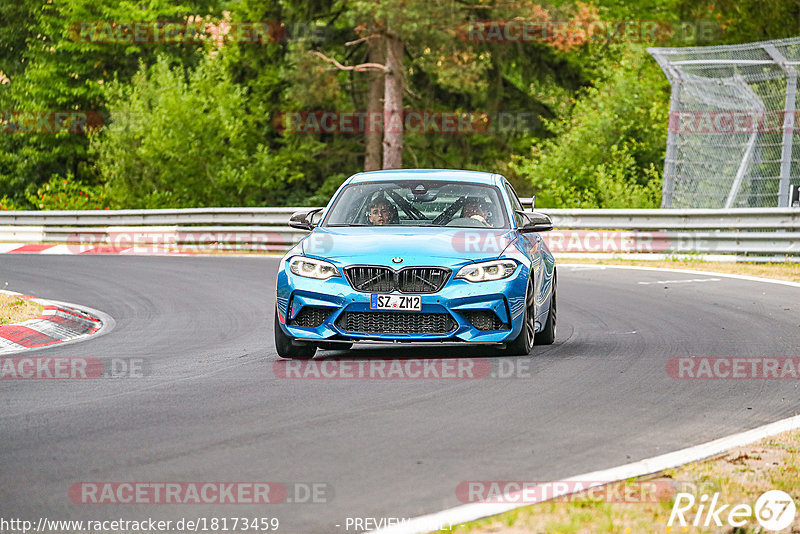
774 510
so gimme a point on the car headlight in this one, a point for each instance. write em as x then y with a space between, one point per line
312 268
487 270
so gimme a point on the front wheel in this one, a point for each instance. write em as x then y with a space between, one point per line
548 334
523 344
286 349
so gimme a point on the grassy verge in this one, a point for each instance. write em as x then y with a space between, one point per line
780 271
740 477
14 309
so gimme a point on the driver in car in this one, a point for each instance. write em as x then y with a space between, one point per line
474 209
381 212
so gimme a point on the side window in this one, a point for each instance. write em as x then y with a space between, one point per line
516 205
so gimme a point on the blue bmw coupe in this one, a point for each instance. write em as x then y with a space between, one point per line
418 256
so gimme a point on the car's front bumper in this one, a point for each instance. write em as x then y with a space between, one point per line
459 299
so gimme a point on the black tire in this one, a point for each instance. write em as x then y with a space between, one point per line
334 346
523 344
548 334
289 351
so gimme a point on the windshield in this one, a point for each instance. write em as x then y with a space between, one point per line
418 203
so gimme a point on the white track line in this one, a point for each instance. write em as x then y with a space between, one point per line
677 256
471 512
689 271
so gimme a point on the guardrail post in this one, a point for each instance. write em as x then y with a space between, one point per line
671 155
788 124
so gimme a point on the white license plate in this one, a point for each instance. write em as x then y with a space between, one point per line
396 302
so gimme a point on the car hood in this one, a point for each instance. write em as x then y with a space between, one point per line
416 245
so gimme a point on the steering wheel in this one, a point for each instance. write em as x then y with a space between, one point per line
468 222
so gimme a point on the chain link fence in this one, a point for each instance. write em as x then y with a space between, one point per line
731 141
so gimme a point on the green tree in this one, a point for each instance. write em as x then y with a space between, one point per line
51 68
745 21
428 60
183 139
279 76
608 153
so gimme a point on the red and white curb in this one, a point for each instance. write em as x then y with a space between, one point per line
59 323
70 249
143 250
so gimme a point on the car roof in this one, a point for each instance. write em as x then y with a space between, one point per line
427 174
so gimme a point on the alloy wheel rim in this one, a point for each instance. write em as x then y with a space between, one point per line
530 319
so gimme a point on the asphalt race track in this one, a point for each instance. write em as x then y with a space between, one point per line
212 409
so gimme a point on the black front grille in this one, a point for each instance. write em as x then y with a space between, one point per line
377 279
485 320
421 279
310 317
396 322
372 279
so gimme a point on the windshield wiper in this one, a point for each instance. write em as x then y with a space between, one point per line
348 224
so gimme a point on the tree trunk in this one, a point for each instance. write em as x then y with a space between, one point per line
393 105
374 134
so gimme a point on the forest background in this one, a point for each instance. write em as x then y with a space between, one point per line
121 104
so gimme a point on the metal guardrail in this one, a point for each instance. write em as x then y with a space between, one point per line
678 219
761 231
639 219
192 216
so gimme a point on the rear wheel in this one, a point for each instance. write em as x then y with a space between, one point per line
523 344
286 349
548 335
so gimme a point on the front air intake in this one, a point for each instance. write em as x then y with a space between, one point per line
396 323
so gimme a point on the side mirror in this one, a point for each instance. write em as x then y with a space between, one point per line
534 222
315 217
305 220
